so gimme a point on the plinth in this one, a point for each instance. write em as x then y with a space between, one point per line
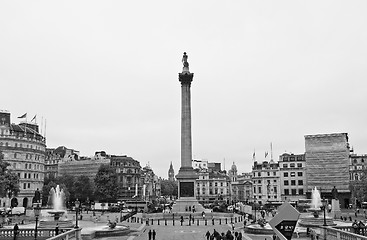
335 209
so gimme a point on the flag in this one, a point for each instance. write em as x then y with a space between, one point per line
266 154
23 116
34 118
253 155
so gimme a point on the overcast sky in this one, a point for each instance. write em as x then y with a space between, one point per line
105 75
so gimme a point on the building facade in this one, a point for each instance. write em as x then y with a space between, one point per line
327 165
128 176
24 148
266 182
212 186
292 176
357 170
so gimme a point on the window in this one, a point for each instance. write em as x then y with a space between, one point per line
292 165
274 173
268 173
300 174
293 174
292 159
285 159
300 182
275 180
259 181
286 183
285 165
293 182
259 189
24 185
254 189
259 174
300 191
286 191
275 190
285 174
299 165
294 191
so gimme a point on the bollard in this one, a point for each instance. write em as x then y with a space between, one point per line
189 222
165 222
213 221
158 222
235 220
152 221
220 221
173 222
206 223
197 221
141 220
226 221
231 220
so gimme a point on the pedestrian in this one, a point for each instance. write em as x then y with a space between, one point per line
232 226
244 223
207 235
274 237
57 229
154 233
361 228
16 231
355 227
150 234
239 236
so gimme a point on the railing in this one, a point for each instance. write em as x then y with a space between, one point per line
43 233
336 233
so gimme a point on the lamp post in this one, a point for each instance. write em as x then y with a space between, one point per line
37 212
255 209
77 204
324 204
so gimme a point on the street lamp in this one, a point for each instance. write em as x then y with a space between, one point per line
77 204
37 212
324 204
255 209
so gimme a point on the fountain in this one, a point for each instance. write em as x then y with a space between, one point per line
56 201
315 220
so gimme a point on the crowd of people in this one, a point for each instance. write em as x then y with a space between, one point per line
223 236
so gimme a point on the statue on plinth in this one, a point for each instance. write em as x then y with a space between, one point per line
334 193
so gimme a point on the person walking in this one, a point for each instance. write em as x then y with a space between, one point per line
16 231
154 233
150 234
207 235
57 229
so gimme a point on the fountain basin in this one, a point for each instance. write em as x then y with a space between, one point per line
257 229
105 231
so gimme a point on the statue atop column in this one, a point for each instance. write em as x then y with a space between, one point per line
185 68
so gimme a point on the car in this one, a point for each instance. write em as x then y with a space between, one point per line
126 210
5 211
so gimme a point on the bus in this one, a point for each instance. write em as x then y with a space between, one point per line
141 205
303 205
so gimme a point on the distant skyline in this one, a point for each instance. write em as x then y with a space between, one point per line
105 75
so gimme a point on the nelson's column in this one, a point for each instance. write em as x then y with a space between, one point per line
186 176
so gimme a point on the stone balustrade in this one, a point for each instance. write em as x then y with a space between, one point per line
43 233
340 232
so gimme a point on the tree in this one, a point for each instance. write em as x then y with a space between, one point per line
83 188
106 184
9 181
169 188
